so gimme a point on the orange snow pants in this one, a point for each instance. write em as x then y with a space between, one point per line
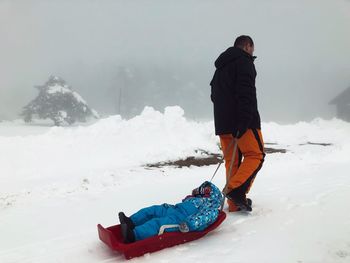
248 161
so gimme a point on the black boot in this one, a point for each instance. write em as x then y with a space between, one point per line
127 233
250 202
240 201
123 219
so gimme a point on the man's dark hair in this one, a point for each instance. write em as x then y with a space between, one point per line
243 40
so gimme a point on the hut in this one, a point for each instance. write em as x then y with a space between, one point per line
342 102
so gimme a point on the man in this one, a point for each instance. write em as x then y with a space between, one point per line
237 120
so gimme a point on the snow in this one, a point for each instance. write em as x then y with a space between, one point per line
95 114
58 89
57 183
79 98
65 89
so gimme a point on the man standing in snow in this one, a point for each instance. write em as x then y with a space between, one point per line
237 120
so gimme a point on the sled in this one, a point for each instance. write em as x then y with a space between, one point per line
112 237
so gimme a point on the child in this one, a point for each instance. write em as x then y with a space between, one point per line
195 213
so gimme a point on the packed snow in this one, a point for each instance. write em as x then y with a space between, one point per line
58 183
59 89
79 98
65 89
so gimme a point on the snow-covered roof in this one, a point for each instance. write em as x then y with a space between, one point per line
342 98
58 89
65 89
79 98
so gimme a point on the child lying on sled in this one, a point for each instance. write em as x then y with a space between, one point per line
195 213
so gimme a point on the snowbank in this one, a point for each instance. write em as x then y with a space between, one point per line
109 144
57 183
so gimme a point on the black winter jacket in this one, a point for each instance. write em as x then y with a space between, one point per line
233 92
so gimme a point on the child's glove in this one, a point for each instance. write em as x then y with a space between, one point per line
184 227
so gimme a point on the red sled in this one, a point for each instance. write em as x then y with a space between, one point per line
112 237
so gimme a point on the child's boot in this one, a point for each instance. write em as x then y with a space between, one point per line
123 219
127 233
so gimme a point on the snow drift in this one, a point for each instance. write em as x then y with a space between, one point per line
57 183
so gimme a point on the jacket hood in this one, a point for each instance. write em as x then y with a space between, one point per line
215 193
229 55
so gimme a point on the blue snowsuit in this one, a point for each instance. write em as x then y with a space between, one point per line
196 211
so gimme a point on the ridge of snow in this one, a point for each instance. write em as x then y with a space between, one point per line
79 98
57 183
58 89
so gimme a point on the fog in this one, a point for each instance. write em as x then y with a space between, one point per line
123 55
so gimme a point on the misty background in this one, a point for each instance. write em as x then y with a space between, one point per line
123 55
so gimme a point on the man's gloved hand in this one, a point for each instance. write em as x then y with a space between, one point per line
184 227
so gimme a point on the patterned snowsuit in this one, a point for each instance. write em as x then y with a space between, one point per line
197 212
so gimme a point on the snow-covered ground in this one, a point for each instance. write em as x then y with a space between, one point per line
57 183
